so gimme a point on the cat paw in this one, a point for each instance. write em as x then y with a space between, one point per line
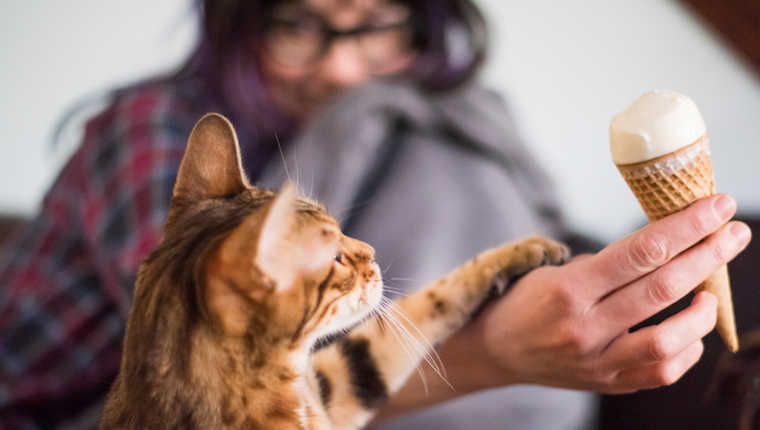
545 252
522 257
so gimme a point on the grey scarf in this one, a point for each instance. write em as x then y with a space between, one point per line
429 181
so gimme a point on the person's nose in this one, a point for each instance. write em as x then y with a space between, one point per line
344 66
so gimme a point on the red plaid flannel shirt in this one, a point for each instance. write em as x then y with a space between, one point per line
66 281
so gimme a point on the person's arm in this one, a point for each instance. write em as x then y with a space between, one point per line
569 326
66 284
130 175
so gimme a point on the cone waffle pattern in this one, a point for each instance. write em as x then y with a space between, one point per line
670 183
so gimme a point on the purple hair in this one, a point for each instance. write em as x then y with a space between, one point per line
450 38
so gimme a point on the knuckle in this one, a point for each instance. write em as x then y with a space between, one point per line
708 320
661 345
668 374
720 250
614 383
696 350
664 286
562 299
604 377
648 252
702 224
580 342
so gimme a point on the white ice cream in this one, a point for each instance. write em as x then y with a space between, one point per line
657 123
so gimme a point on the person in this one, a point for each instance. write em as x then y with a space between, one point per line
379 114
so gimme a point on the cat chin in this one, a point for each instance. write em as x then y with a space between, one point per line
339 328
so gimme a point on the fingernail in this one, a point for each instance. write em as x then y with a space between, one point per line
740 232
724 206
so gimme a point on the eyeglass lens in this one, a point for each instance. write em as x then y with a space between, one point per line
297 36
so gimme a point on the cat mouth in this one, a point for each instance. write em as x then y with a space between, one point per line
373 297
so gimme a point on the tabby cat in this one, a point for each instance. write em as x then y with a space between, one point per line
228 309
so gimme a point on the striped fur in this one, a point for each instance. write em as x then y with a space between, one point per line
228 309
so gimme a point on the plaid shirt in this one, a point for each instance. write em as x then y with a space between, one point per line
66 282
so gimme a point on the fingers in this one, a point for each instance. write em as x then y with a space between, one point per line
650 294
656 343
659 374
659 355
644 251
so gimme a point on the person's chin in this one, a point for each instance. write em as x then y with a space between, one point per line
306 108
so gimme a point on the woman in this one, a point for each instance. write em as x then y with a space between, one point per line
417 160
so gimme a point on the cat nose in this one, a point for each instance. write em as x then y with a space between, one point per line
368 250
360 249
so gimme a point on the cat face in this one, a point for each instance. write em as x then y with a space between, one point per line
285 272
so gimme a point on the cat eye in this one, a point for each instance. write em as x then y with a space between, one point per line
339 258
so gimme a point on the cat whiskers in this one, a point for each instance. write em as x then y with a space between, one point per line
299 187
311 190
298 175
391 315
385 322
394 291
390 264
431 356
282 155
408 280
344 214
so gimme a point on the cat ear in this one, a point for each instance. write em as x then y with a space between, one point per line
276 238
261 243
211 166
288 247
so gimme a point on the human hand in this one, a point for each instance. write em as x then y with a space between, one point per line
568 326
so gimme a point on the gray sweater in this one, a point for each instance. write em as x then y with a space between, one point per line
429 181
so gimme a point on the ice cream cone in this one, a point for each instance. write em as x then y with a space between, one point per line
719 285
670 183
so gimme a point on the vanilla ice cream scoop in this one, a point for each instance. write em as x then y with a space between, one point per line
655 124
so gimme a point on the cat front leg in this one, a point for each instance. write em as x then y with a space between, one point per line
442 307
361 371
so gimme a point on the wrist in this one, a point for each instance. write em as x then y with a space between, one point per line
469 364
468 367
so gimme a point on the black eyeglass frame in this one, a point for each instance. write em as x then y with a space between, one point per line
329 34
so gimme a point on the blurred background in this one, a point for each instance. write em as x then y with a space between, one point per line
565 68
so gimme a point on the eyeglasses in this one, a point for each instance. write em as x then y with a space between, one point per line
304 40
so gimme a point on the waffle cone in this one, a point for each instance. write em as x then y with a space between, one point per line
670 183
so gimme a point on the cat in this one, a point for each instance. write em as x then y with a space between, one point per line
228 309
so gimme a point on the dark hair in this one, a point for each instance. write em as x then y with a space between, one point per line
450 37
